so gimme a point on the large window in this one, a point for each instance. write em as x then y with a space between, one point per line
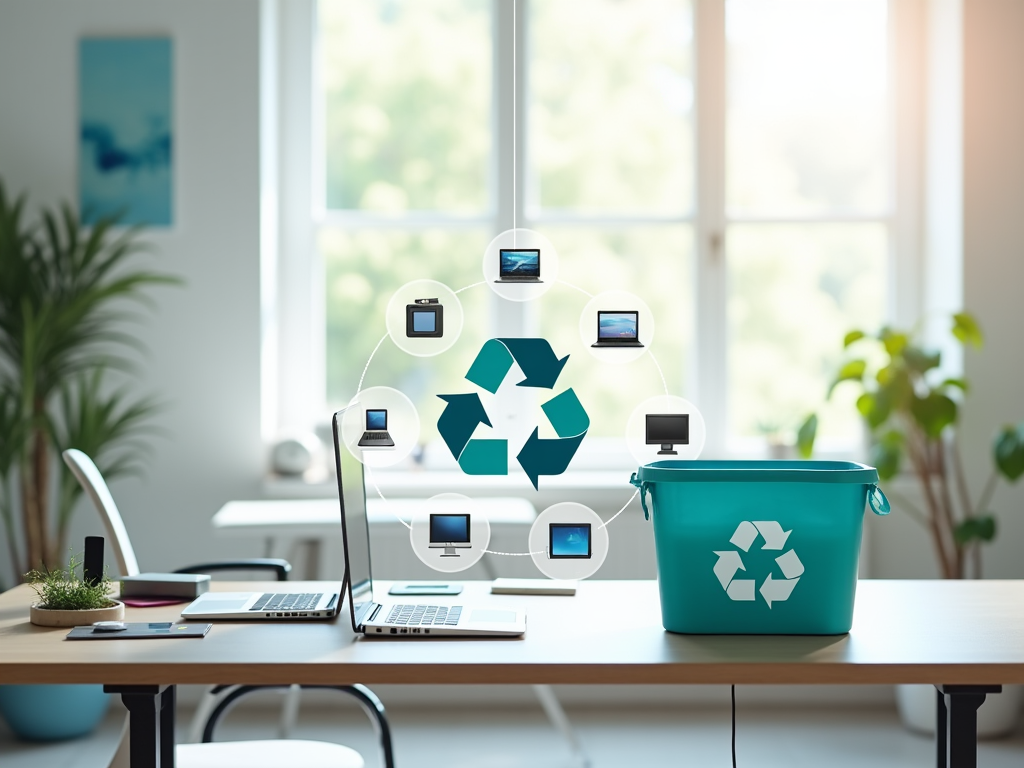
731 162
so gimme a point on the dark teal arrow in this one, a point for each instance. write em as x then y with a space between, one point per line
547 457
538 361
459 420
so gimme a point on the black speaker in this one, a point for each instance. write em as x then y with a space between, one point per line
92 565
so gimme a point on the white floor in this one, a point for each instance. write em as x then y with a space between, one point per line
494 738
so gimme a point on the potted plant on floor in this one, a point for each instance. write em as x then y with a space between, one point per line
912 414
65 376
65 600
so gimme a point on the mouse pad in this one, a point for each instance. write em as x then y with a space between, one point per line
138 630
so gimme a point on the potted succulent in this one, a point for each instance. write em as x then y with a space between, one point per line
912 414
65 600
65 327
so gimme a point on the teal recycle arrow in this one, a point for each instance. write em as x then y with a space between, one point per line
464 412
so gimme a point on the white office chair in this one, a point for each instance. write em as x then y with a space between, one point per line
243 754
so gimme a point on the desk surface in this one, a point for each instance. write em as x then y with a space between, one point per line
969 632
322 517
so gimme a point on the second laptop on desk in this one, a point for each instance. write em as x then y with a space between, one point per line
369 616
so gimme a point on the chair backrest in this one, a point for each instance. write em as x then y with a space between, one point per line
95 486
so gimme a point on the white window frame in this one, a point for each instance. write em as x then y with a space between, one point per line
294 385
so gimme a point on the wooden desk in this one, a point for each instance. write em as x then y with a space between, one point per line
966 636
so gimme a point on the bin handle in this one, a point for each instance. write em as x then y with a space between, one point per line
877 501
642 485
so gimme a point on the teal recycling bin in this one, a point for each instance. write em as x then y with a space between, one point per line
758 547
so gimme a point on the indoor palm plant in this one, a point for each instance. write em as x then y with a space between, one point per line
66 292
64 328
912 414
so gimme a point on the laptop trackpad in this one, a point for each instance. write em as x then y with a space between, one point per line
492 616
219 606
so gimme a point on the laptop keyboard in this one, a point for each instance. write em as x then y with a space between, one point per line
287 601
370 436
424 615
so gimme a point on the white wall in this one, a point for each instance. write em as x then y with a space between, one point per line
994 250
204 338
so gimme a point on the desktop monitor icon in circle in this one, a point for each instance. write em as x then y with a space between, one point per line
519 265
569 541
449 532
667 430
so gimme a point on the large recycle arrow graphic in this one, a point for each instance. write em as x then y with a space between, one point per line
464 412
534 356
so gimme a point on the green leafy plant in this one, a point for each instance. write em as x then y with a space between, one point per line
912 413
65 298
61 589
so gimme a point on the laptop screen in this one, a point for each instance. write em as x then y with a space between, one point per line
522 262
354 526
616 325
377 419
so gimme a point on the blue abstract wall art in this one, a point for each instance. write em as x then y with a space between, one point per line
125 130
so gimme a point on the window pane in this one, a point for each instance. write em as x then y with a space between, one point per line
794 292
363 268
807 107
655 263
611 105
407 104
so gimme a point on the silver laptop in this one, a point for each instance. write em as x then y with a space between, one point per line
422 618
264 605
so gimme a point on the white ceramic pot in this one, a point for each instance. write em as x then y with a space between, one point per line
46 617
998 716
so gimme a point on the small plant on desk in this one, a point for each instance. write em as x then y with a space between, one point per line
62 590
66 600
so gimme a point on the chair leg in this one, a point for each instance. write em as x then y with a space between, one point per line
289 711
208 701
553 709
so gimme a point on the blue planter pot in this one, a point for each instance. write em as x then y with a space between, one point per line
52 712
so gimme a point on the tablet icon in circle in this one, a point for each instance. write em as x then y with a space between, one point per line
569 541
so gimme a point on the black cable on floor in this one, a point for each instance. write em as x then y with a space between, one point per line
734 726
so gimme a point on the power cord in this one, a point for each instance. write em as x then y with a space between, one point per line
733 726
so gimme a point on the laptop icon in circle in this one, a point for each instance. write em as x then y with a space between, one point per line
519 265
618 329
376 434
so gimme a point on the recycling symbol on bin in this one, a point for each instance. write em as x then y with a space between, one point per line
730 561
459 420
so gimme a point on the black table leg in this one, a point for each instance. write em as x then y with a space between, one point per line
150 723
956 724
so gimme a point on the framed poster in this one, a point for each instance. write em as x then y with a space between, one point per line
125 130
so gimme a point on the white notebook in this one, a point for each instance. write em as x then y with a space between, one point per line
533 587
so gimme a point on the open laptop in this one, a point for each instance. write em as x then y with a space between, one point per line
376 434
265 605
618 329
419 619
519 265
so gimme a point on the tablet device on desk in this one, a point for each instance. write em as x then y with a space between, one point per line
140 630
